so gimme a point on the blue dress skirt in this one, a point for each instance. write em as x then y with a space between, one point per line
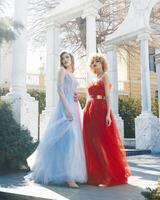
59 156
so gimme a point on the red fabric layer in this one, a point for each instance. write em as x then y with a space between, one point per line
105 153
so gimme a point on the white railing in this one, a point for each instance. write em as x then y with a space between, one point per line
32 79
82 82
121 85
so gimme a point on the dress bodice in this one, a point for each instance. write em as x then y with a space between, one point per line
69 84
96 88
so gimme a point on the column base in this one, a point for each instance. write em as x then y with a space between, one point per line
44 119
120 125
25 111
147 132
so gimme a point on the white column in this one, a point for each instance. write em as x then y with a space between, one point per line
157 52
113 76
52 66
53 42
18 82
25 108
145 73
90 14
146 124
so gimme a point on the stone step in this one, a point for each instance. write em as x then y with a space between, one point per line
129 143
133 152
14 187
14 196
30 191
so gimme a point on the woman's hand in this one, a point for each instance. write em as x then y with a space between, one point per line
108 120
69 114
76 98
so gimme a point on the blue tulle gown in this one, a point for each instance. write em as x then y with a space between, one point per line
60 155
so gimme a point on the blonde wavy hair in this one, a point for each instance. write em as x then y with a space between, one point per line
100 57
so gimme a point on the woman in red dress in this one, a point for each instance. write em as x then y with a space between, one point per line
105 153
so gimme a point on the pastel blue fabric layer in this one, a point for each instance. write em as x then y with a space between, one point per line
60 155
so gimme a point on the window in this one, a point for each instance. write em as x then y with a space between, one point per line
152 65
156 94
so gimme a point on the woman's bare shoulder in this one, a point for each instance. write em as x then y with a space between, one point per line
61 71
105 77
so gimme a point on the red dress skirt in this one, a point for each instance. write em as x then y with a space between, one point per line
104 150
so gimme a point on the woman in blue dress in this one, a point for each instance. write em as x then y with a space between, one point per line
59 157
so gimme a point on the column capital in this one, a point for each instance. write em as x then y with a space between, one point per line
52 24
111 47
90 12
157 58
157 55
157 50
144 36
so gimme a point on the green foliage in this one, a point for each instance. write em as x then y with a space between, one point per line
16 144
3 91
152 194
9 29
155 107
82 100
129 109
40 96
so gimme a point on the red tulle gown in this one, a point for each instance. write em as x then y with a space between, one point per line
105 153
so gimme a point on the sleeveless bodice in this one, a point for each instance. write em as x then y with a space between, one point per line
69 84
96 88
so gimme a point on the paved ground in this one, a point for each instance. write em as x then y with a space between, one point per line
145 173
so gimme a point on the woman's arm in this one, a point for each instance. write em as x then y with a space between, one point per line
107 95
61 75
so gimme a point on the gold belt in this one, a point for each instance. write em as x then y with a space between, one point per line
97 97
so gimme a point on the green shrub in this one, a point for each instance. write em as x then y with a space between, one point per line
16 144
152 194
40 96
82 100
129 109
3 91
155 106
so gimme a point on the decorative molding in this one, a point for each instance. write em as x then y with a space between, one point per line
50 23
147 129
68 11
144 36
140 6
157 58
136 21
90 12
110 47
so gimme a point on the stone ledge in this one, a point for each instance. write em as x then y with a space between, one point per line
12 196
133 152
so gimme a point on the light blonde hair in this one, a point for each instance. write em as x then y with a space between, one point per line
100 57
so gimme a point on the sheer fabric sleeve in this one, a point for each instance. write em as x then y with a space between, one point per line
60 90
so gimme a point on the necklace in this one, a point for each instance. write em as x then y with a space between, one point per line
100 75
